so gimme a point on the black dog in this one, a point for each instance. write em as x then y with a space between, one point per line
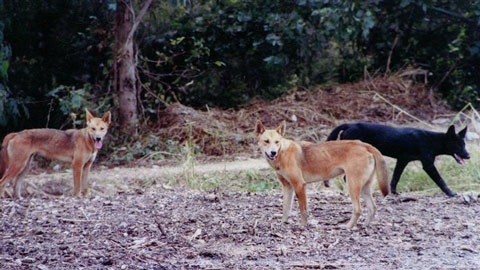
408 144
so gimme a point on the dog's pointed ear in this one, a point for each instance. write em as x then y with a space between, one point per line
281 129
259 128
463 133
451 131
107 118
89 115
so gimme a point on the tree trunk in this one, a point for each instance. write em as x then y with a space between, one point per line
126 68
125 71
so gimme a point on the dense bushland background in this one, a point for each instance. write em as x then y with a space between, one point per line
57 56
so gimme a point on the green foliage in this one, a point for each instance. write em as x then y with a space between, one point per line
250 181
258 182
442 37
10 109
225 52
54 44
70 99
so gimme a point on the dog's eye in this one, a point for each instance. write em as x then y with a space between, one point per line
267 141
102 129
93 129
276 142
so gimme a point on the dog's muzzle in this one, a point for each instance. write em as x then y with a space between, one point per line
97 142
272 155
460 160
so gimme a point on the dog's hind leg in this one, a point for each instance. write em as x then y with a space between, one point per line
370 202
3 181
14 170
354 188
18 182
397 172
367 195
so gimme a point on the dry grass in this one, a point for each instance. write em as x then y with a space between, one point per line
398 99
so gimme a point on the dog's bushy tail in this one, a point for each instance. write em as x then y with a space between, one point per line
336 131
4 154
380 170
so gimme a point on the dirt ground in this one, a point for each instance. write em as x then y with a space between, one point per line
125 227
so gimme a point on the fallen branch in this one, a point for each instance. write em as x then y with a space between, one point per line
321 265
402 110
80 220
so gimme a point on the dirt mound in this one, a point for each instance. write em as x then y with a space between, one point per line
393 99
398 99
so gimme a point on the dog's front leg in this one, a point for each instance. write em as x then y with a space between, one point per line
430 169
85 185
298 185
287 197
77 167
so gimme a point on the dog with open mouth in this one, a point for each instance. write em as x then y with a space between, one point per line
408 144
76 146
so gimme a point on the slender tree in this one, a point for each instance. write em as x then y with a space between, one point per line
125 71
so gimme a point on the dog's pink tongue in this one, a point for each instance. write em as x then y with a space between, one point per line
98 144
459 160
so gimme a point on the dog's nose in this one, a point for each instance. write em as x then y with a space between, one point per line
273 153
97 139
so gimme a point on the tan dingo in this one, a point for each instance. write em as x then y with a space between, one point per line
299 163
77 146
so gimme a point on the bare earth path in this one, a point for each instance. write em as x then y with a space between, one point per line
160 227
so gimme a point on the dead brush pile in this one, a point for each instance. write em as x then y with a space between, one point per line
310 115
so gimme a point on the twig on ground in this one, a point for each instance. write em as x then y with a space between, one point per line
84 214
39 190
160 227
